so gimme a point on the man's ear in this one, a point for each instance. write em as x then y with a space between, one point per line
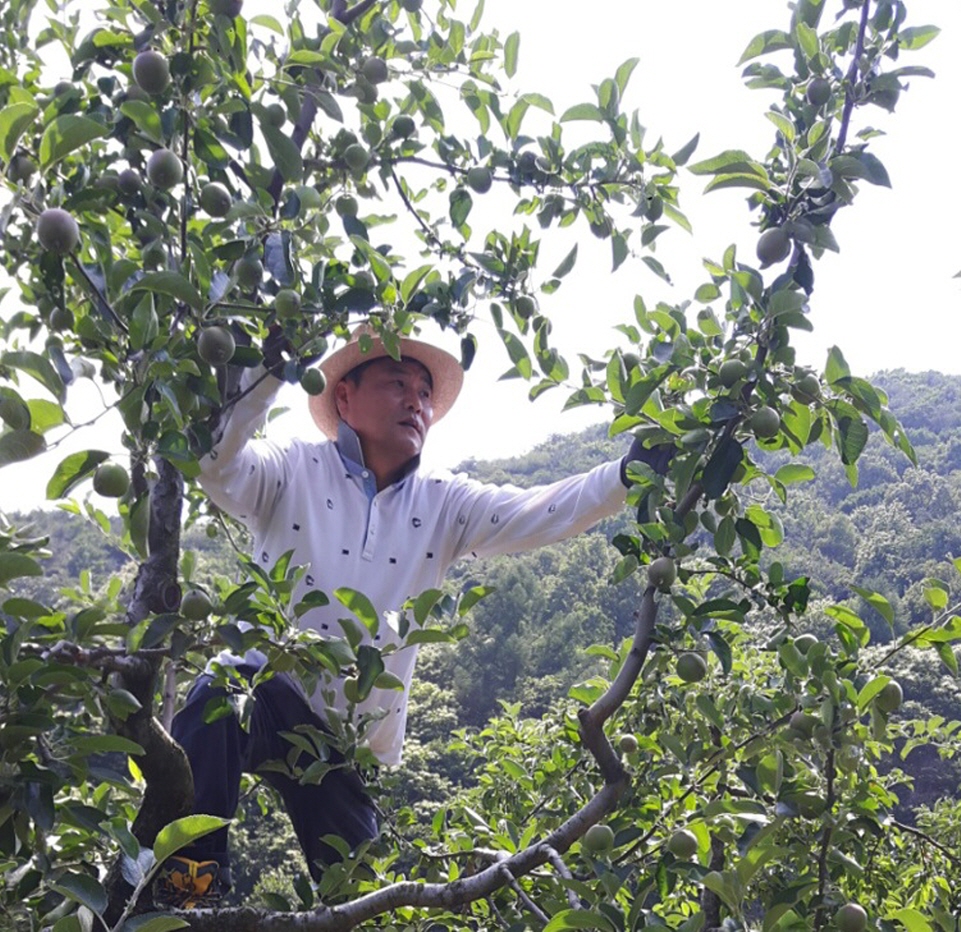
342 398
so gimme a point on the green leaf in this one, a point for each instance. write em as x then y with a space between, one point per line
73 470
707 292
19 445
66 134
153 922
173 284
511 48
286 155
784 125
807 39
370 666
913 38
83 889
878 602
17 565
792 473
102 744
624 72
429 636
721 467
686 151
567 264
461 204
773 40
738 180
412 281
39 368
729 161
146 117
871 689
14 121
171 838
583 112
424 603
360 605
578 919
837 367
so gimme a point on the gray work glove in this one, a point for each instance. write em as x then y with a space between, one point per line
658 457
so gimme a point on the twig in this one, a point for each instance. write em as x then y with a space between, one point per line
558 864
851 78
114 317
529 904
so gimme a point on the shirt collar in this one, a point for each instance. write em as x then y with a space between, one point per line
352 454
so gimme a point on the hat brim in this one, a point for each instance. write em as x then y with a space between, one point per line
445 370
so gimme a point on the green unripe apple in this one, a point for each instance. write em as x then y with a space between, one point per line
151 72
403 126
215 199
164 169
807 388
691 667
346 206
524 306
309 197
275 114
765 422
356 157
774 245
374 69
802 723
890 697
14 412
111 480
661 573
851 918
479 179
129 182
683 844
731 372
628 744
599 838
57 231
313 381
61 318
195 605
21 168
287 303
250 272
818 92
216 345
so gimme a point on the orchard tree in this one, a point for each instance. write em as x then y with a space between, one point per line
210 191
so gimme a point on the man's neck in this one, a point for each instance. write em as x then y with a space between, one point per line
350 447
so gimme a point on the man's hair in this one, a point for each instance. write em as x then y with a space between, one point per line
355 374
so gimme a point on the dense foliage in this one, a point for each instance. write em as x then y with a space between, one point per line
210 192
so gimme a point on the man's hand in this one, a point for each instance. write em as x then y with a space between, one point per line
658 457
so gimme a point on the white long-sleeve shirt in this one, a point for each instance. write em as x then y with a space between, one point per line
389 545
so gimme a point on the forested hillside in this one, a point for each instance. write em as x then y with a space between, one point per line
529 640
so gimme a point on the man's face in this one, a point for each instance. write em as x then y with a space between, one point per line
390 408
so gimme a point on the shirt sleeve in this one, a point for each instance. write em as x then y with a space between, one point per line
243 475
495 519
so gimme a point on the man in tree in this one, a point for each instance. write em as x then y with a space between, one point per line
357 511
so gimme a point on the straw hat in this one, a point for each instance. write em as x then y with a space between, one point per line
445 372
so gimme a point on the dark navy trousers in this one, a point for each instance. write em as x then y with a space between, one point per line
221 751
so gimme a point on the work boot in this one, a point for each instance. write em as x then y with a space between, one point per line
186 884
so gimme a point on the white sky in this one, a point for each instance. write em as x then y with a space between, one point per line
888 300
